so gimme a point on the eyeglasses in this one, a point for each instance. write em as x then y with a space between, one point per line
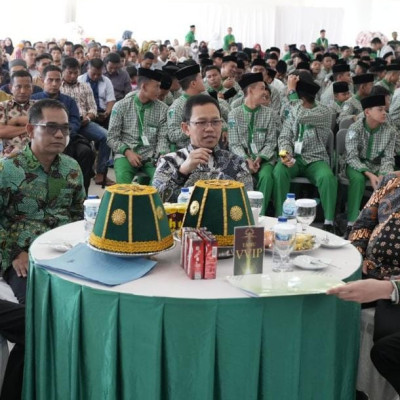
215 123
52 128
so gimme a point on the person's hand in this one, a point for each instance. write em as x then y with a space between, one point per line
373 179
257 163
252 166
85 121
229 82
288 160
195 158
20 264
363 291
134 159
220 95
13 121
292 82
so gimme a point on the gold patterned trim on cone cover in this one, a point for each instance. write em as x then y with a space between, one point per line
131 219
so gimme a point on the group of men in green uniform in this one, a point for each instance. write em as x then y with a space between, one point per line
280 129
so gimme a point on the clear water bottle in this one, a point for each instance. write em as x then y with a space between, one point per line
90 209
284 240
184 196
289 208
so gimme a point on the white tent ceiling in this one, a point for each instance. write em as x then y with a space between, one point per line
267 22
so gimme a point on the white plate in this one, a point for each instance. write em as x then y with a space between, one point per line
334 243
312 263
129 255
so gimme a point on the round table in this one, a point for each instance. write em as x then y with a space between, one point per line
165 336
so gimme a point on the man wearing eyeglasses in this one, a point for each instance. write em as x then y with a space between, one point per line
202 158
40 188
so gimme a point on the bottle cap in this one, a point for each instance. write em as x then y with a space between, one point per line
185 190
290 196
282 219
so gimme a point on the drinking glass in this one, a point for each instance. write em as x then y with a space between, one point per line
256 201
306 211
283 245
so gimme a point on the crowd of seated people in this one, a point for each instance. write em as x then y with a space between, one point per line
270 115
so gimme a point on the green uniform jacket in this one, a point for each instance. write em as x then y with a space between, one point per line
370 151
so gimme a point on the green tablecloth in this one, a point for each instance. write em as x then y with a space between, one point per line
85 343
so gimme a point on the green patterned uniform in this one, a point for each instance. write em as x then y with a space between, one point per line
141 128
351 107
369 150
253 133
387 85
33 201
394 118
310 128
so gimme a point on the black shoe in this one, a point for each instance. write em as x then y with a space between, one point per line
328 228
347 233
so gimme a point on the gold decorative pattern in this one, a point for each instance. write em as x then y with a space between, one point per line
160 212
118 216
226 240
224 213
235 213
107 215
128 248
131 189
194 208
130 225
203 203
219 184
153 209
245 205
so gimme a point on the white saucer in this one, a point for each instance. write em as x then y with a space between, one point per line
334 242
311 263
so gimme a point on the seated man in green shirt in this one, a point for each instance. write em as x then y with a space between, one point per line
391 78
253 132
302 147
370 144
40 189
138 129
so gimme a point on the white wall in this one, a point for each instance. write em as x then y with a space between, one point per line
252 20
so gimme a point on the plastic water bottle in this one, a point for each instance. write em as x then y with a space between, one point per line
284 239
184 196
289 208
90 209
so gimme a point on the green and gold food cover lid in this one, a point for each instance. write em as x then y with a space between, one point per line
219 205
131 219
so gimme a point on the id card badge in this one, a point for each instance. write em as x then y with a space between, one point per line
297 147
253 148
145 141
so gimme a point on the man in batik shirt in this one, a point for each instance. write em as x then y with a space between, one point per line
13 114
40 189
202 158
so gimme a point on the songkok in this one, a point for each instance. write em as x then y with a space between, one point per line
340 87
203 56
166 81
151 74
363 78
229 58
277 49
206 61
393 67
259 62
248 79
240 64
271 72
193 26
188 71
170 68
217 54
303 65
307 87
362 64
373 101
281 67
336 69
